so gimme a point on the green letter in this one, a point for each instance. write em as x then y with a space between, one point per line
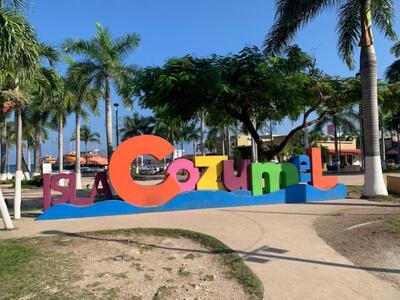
274 177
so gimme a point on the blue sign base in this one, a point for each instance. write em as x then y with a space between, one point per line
299 193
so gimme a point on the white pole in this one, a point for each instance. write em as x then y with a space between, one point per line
4 213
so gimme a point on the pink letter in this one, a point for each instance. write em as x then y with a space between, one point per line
188 166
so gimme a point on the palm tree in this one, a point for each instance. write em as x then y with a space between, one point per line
345 120
355 22
137 125
103 65
80 96
192 133
19 63
87 136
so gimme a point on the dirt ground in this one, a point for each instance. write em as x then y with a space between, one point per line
135 266
369 237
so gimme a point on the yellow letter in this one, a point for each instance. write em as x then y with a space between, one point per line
211 175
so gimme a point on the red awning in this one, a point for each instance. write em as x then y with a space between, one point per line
346 151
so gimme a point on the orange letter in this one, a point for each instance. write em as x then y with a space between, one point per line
319 181
120 171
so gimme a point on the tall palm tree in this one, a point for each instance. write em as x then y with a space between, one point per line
137 125
355 21
87 136
344 120
103 64
19 62
80 96
192 133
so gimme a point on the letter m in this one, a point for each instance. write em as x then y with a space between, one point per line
269 177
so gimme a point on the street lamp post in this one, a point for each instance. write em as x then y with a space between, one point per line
116 105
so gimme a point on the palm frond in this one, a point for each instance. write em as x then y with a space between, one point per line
48 52
349 31
396 49
392 73
103 38
19 45
290 17
87 49
13 4
124 45
383 15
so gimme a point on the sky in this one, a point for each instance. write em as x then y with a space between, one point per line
178 27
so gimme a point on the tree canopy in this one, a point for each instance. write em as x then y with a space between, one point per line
247 87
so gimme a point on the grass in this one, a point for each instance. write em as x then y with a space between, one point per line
354 192
27 270
396 223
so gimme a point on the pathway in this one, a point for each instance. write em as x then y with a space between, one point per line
277 241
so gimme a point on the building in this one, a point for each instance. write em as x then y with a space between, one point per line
350 155
244 140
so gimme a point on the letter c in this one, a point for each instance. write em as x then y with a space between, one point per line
120 171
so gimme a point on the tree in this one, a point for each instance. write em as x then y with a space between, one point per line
103 64
355 21
18 64
344 120
137 125
247 87
87 136
192 134
80 95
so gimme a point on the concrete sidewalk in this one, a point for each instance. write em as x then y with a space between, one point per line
278 242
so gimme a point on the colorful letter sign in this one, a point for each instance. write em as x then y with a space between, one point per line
212 182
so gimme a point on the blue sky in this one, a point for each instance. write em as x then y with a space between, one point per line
179 27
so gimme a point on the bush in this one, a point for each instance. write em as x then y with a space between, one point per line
36 181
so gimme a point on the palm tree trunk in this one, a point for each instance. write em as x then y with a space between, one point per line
78 152
223 143
335 137
228 134
37 151
18 163
25 169
383 149
194 147
374 183
306 139
28 157
398 145
254 146
202 134
4 150
362 138
60 145
4 213
108 121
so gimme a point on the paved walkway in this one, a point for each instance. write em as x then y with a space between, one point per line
278 242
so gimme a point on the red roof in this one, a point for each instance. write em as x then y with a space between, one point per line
346 151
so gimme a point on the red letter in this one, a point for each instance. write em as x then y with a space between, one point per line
319 181
100 177
120 171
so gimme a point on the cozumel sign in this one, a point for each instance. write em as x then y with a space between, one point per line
211 182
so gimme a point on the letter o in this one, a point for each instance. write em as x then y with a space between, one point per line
188 166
